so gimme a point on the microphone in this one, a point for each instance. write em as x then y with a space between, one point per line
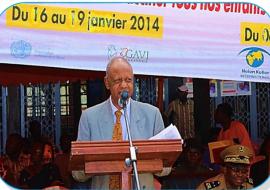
122 102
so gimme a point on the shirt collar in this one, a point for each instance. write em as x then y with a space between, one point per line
114 109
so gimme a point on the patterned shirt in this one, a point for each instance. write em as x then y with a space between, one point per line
10 170
182 116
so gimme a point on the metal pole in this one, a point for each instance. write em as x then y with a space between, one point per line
132 149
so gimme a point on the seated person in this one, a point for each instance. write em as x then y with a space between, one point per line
39 175
62 160
231 129
10 165
236 160
260 170
189 172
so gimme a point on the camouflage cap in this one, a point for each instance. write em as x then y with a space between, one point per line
237 154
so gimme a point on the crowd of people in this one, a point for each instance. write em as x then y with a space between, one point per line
31 163
34 163
194 165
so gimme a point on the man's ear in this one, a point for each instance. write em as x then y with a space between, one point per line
106 82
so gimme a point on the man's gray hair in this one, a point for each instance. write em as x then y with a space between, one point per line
112 60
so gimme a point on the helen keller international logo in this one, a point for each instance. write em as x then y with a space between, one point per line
20 49
254 56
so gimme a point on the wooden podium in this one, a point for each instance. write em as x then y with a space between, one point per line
108 157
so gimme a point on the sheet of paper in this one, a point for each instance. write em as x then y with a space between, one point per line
170 132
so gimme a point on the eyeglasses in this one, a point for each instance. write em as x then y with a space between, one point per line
119 81
242 170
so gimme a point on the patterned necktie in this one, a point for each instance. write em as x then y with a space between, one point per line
117 130
114 182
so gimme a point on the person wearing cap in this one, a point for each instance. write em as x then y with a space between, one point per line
236 160
180 112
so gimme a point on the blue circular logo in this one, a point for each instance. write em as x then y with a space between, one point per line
254 57
20 49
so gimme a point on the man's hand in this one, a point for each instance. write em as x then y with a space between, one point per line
166 171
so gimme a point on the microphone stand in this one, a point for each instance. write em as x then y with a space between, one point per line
132 150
